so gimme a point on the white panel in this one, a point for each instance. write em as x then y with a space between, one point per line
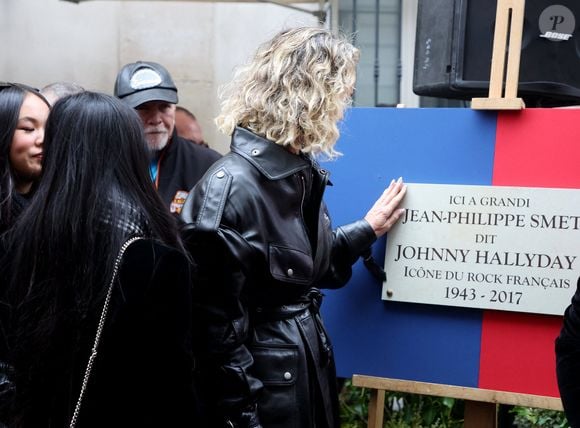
504 248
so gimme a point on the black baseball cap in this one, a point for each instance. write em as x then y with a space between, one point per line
142 81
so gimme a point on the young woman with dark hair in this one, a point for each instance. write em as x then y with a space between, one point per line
23 113
95 193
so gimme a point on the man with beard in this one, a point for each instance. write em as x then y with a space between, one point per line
176 164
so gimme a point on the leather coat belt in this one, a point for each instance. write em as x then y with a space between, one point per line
311 302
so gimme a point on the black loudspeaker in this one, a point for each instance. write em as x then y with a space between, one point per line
454 47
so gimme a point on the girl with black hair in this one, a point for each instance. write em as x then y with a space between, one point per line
95 193
23 113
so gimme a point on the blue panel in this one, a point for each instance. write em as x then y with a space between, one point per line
401 340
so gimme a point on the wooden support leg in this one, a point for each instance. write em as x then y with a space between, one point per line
480 415
376 408
509 19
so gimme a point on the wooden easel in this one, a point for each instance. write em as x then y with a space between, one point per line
480 404
506 9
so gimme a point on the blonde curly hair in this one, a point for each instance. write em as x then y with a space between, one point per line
294 91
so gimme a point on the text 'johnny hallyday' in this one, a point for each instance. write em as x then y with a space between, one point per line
499 258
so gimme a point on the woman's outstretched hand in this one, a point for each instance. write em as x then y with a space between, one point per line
385 212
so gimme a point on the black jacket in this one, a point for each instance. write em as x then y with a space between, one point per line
262 238
568 361
181 165
143 373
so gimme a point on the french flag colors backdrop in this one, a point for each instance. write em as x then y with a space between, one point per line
496 350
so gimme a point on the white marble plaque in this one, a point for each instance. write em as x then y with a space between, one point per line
489 247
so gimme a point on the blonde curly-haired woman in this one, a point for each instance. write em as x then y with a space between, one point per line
262 236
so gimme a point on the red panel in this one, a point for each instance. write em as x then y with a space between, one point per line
517 353
538 148
534 148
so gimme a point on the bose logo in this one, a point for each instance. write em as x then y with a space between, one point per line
555 36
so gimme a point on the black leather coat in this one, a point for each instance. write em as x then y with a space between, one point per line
262 238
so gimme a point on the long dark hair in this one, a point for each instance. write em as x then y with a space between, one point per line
11 98
94 193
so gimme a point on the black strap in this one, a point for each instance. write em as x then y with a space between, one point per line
372 266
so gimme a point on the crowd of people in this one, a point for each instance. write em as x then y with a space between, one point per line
149 281
146 280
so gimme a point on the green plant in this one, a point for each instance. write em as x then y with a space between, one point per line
401 410
530 417
422 411
411 410
353 406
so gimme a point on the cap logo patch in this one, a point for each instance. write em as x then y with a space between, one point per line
145 78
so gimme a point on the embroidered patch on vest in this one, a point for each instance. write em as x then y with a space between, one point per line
178 201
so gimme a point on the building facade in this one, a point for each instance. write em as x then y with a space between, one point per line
199 42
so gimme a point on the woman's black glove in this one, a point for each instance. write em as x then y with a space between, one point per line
247 418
